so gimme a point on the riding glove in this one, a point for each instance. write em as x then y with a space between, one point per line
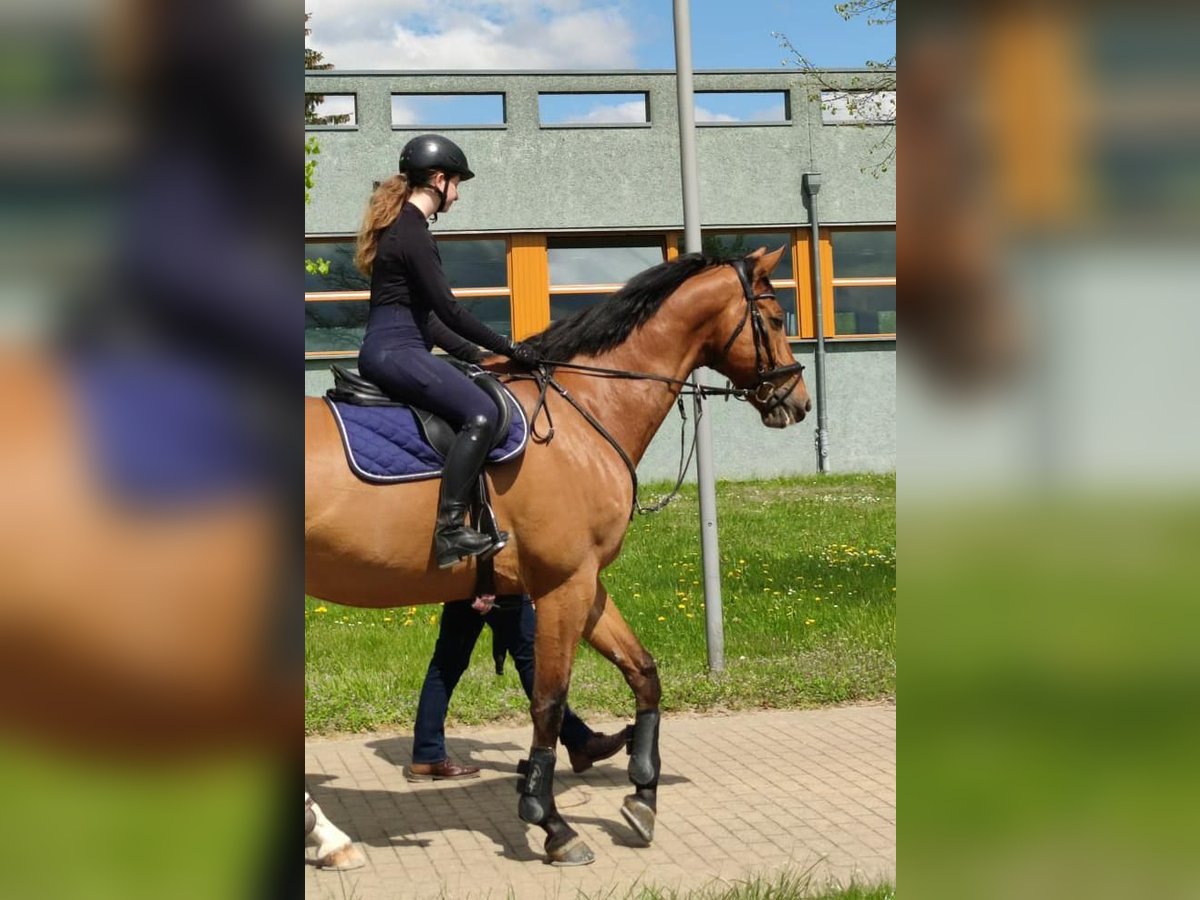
524 354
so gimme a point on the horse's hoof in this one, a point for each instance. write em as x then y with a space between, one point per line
640 817
573 853
343 859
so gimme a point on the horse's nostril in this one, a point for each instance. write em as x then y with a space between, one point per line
808 406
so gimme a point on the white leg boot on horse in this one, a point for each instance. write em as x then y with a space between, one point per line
335 850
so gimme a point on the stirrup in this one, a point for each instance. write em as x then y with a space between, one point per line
455 554
499 542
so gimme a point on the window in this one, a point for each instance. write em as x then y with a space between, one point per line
336 305
741 107
858 107
864 310
560 109
331 110
583 271
475 263
447 110
580 262
864 254
727 245
343 276
863 264
334 326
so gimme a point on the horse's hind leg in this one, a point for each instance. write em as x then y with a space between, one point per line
335 849
612 637
561 616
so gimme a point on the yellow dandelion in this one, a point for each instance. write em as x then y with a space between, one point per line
387 618
810 621
321 609
682 606
662 618
433 619
407 622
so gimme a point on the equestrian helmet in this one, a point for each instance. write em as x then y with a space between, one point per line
432 151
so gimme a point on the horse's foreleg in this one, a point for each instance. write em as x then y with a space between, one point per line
561 616
613 638
335 850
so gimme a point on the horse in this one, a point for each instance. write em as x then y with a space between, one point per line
568 500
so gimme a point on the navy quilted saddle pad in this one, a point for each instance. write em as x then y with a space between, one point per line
386 444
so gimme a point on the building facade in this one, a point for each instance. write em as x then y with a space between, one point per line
578 188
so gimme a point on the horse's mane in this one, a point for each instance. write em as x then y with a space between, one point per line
609 323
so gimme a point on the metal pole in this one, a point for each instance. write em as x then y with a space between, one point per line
812 186
706 482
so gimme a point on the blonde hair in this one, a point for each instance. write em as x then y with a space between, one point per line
382 209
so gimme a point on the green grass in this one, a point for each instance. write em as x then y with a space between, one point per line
808 571
786 885
780 886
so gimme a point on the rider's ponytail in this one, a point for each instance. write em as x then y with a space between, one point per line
385 204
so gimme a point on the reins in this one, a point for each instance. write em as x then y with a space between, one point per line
543 375
545 380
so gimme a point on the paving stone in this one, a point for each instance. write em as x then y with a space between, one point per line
824 797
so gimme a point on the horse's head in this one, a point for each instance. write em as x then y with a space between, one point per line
752 349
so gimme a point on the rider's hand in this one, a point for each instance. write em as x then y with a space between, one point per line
524 354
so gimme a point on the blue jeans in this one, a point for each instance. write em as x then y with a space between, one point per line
512 622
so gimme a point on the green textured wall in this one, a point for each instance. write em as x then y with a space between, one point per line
532 177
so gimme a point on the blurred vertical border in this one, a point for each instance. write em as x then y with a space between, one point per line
1049 180
150 449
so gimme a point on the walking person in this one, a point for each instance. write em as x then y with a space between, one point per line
513 624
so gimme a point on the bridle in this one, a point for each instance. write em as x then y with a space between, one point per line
766 393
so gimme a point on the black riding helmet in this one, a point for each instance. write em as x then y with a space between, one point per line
432 151
427 152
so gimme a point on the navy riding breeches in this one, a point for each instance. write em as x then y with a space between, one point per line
414 375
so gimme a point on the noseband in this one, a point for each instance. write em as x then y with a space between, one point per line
765 392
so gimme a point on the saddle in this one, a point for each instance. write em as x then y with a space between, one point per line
388 442
350 387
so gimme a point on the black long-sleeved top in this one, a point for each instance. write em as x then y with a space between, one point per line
411 300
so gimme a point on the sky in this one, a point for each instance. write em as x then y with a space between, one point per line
585 34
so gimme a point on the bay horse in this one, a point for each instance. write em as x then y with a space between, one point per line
567 501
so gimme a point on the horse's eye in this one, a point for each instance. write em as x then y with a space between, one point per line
776 321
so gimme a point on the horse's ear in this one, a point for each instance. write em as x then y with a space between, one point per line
765 263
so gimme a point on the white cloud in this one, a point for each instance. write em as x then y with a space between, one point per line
707 115
633 111
770 114
403 113
472 34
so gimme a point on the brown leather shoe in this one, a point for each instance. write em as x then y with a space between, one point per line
597 747
439 771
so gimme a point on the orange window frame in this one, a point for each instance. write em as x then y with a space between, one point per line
825 253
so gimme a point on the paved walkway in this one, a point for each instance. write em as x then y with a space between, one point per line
740 795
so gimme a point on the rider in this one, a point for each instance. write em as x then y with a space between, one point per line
412 309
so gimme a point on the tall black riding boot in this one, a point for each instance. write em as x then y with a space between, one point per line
453 540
